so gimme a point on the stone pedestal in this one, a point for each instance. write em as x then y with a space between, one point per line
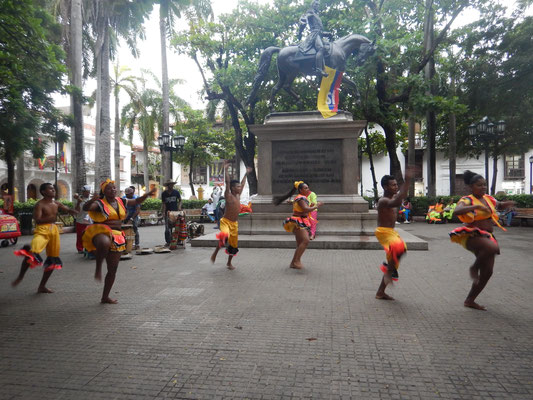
321 152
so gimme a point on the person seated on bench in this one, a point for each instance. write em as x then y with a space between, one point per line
509 214
209 210
434 214
405 211
449 209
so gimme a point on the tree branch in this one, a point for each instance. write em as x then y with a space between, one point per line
438 40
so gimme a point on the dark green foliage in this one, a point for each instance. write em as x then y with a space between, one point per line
155 204
31 70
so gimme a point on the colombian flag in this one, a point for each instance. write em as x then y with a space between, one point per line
328 96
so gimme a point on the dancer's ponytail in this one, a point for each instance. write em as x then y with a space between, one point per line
280 199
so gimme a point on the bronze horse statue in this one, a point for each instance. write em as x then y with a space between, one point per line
291 62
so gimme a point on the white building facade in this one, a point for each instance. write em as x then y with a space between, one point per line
36 173
513 177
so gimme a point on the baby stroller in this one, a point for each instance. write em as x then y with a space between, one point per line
9 229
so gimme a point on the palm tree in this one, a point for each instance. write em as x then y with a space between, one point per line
169 10
76 98
69 14
176 106
143 110
120 18
120 82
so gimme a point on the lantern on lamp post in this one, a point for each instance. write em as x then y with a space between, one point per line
171 143
483 133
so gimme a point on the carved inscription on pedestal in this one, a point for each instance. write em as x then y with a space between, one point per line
317 162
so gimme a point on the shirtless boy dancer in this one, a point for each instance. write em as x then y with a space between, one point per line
229 227
390 239
46 236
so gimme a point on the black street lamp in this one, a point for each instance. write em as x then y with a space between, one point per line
171 143
530 176
484 132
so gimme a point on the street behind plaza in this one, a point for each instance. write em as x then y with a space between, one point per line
184 328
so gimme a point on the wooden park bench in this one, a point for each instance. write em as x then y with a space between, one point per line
524 215
152 217
192 214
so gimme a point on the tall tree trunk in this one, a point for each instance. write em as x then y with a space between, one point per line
431 120
452 152
394 163
245 147
104 160
117 135
165 156
98 121
21 184
411 155
146 173
191 183
10 163
390 132
494 171
372 169
79 174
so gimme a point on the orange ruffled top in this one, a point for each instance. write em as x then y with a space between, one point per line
478 215
106 213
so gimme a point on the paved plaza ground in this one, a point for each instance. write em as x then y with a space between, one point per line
185 328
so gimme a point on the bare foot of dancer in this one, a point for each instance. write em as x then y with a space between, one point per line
230 266
98 275
44 290
109 300
383 296
296 265
16 282
474 305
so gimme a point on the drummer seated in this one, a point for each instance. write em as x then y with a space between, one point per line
209 210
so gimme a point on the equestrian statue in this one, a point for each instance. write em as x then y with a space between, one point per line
310 56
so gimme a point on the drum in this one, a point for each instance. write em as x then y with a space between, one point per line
173 215
129 234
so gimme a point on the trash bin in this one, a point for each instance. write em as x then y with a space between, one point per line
26 223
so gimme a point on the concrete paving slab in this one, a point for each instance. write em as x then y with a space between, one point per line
187 329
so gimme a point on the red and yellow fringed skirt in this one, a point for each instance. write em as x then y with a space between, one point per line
462 234
118 240
296 222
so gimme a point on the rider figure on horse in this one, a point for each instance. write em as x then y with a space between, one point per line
314 39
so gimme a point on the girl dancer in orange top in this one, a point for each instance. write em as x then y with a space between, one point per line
478 212
105 235
298 223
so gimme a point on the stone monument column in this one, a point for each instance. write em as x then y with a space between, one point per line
323 153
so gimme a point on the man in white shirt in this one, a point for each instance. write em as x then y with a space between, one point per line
209 210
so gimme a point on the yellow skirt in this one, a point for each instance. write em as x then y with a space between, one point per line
392 243
118 240
229 236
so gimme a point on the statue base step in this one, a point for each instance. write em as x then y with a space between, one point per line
329 223
283 240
